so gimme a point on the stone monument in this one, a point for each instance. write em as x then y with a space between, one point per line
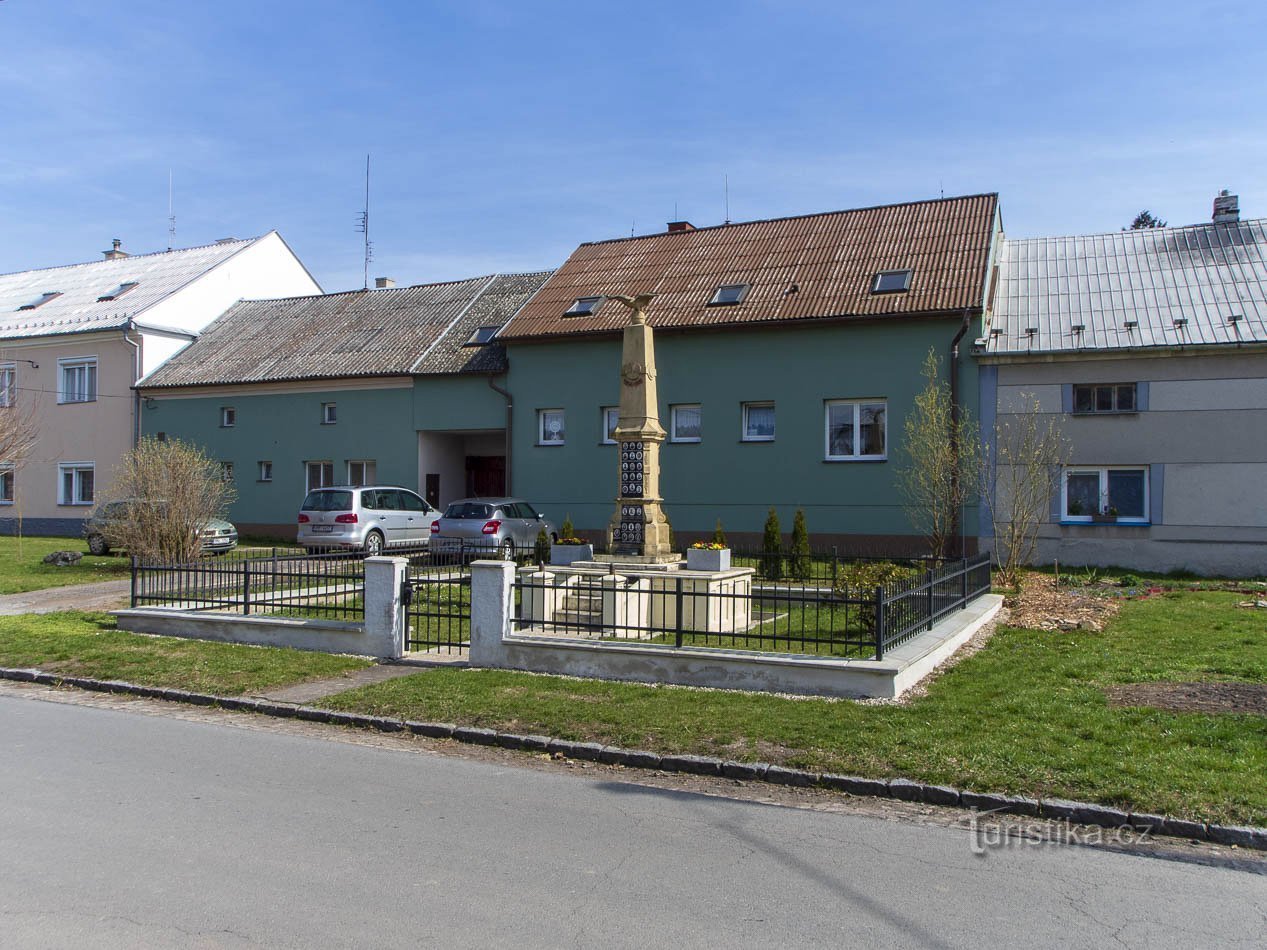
639 529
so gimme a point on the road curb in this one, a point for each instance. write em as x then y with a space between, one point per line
1082 813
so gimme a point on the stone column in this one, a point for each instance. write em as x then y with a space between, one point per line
639 526
492 600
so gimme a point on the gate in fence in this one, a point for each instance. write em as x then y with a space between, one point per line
437 597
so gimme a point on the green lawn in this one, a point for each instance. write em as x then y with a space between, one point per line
1027 715
87 644
22 567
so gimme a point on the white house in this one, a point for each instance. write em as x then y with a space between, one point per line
74 340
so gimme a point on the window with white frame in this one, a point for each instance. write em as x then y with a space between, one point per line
362 472
758 422
685 423
8 483
228 417
76 483
8 384
611 419
77 380
550 427
1096 492
329 413
265 471
319 474
857 429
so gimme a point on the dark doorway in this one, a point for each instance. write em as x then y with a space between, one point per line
485 475
433 489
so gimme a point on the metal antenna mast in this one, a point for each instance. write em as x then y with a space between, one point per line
364 226
726 180
171 215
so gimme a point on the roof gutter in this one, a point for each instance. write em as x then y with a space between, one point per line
510 420
957 526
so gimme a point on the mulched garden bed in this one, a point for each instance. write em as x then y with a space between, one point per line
1193 697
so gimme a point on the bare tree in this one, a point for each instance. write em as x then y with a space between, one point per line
943 468
1029 454
18 434
171 490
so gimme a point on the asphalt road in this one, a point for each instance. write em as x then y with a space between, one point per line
126 830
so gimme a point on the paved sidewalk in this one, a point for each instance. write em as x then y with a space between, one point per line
104 595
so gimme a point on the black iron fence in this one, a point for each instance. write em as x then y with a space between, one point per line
285 585
437 597
849 608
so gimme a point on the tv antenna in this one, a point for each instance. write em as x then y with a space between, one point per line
363 226
726 185
171 215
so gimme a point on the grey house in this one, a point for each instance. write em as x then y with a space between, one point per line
1151 346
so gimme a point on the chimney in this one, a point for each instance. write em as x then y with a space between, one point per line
382 283
117 252
680 226
1226 208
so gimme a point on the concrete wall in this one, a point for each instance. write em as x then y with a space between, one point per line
797 367
1201 430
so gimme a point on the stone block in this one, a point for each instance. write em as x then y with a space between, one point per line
906 790
852 784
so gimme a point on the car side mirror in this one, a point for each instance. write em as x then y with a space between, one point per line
540 516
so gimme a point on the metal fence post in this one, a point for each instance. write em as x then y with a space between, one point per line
246 587
133 559
678 613
879 622
963 584
928 616
835 565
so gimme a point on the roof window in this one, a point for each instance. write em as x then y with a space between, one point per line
891 281
583 307
727 295
118 292
481 336
41 300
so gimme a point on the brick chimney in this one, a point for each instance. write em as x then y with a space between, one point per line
1226 208
680 226
116 252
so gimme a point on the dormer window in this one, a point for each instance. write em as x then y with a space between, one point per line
41 300
891 281
583 307
727 295
481 336
118 291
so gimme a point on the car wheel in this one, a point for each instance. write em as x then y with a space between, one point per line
373 544
97 545
507 550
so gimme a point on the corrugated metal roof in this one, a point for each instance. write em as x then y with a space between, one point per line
1132 289
77 309
830 259
357 333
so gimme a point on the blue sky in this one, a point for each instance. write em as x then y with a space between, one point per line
505 133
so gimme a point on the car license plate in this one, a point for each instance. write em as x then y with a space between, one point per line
322 528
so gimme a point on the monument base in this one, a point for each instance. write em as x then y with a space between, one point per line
634 562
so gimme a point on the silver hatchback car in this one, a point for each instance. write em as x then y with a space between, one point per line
507 526
373 518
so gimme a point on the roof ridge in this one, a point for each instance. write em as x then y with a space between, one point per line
795 217
132 257
1134 231
368 290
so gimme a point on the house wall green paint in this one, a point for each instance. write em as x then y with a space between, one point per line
796 367
286 429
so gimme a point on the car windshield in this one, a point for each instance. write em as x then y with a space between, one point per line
328 501
467 509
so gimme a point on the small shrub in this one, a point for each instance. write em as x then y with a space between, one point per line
541 548
719 536
799 561
567 529
772 547
1130 580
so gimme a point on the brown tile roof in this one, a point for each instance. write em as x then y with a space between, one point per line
830 258
391 332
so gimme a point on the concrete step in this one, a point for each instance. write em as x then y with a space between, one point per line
583 618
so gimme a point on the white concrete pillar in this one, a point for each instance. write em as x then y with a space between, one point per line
492 610
540 595
384 605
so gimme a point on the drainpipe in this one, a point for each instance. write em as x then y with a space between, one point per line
136 378
957 528
510 425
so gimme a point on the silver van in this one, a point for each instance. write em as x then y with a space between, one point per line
373 519
507 526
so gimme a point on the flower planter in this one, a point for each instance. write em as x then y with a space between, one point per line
561 555
700 559
1104 519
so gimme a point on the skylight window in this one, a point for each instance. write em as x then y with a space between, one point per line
727 295
583 307
481 336
41 300
891 281
118 291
